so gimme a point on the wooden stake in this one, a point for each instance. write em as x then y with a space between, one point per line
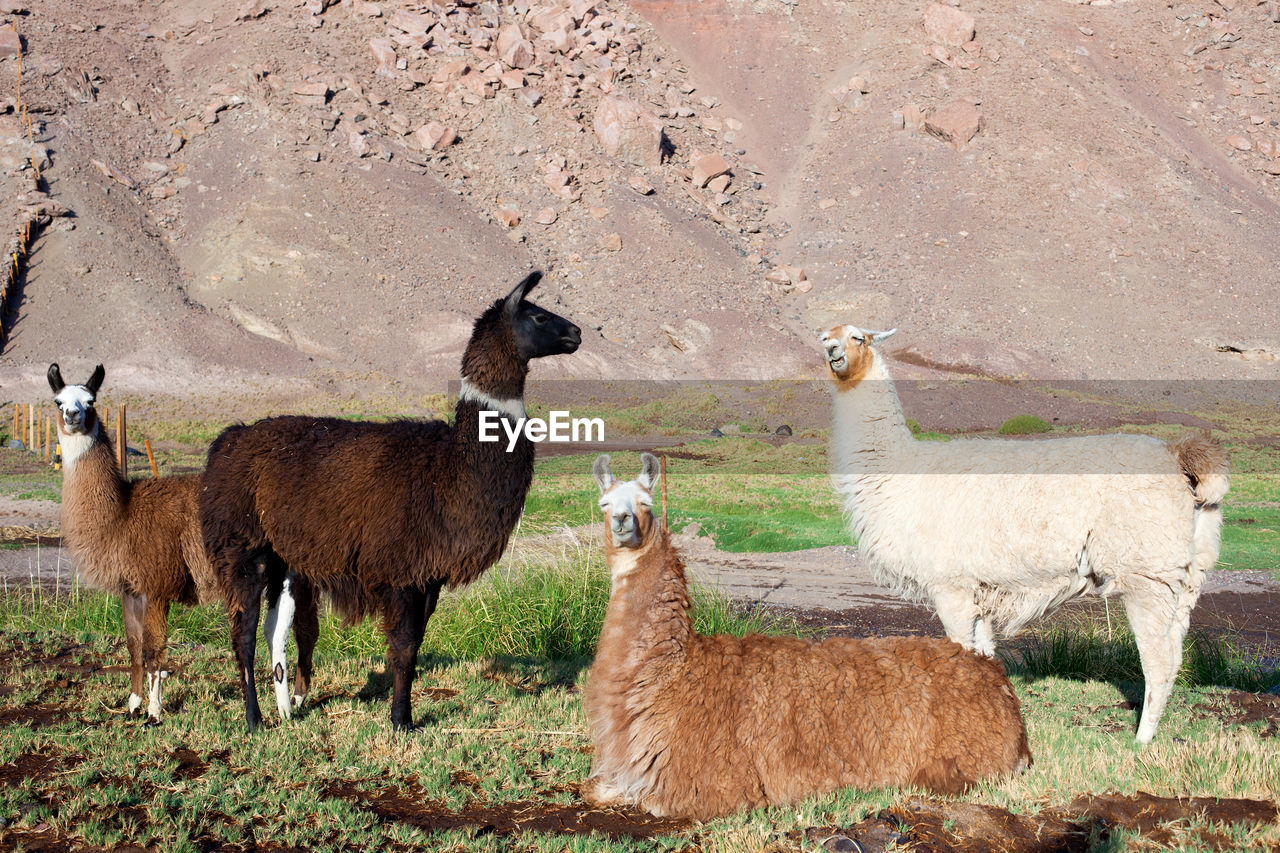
122 448
664 490
31 426
48 440
151 457
17 417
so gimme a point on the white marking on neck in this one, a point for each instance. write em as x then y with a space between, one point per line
622 563
511 408
74 446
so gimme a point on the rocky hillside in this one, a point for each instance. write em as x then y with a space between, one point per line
322 195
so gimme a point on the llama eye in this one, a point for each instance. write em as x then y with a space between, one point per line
539 319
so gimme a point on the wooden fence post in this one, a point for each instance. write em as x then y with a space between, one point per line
664 490
122 448
151 457
48 440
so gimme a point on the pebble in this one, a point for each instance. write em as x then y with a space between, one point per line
1240 143
546 216
612 241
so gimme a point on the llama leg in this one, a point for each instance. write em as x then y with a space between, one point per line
244 606
406 619
306 630
280 608
1159 634
134 607
984 642
155 631
959 614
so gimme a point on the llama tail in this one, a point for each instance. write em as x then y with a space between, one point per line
1208 472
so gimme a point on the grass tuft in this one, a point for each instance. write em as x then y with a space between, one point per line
1024 425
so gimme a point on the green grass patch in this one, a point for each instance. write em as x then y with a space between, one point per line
1024 425
1086 651
546 605
1250 538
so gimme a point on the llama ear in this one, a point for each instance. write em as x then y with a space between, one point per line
521 290
604 477
55 378
650 468
95 381
880 337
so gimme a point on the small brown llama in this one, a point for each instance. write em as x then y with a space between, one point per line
141 540
692 726
381 516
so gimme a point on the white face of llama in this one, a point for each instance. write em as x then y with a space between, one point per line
848 350
75 402
627 506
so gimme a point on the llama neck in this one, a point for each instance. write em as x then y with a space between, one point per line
869 426
94 495
648 614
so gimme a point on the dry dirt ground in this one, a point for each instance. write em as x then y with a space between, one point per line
251 212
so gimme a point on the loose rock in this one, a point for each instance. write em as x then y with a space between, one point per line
384 51
640 185
434 136
705 167
629 131
956 123
948 25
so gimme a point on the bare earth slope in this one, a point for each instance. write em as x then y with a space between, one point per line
259 198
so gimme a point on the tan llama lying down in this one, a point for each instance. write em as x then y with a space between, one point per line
693 726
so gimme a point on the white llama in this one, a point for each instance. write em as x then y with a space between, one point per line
997 532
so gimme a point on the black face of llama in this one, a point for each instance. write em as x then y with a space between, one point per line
75 402
628 507
538 333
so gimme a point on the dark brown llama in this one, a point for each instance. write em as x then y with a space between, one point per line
141 540
693 726
380 515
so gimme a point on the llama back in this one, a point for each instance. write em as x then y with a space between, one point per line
1073 494
330 494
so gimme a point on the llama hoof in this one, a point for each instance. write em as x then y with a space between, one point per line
151 723
135 704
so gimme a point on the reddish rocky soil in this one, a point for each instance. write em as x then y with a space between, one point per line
283 199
